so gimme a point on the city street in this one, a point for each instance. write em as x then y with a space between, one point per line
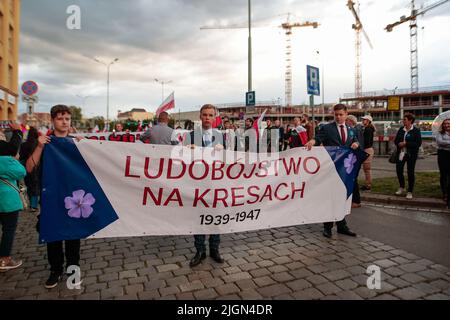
411 248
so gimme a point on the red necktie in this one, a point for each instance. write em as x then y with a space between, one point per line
343 137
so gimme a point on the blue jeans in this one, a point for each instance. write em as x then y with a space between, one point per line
199 242
9 224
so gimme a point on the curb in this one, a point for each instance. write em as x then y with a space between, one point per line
397 200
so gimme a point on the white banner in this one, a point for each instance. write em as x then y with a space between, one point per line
175 190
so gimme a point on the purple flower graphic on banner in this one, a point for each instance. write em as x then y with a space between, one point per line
79 205
349 163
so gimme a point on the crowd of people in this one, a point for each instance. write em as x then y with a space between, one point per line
20 161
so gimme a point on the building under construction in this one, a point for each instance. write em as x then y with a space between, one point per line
390 105
385 105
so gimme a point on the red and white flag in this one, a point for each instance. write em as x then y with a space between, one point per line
168 104
257 124
217 122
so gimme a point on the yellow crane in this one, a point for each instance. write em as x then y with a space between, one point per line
287 27
413 38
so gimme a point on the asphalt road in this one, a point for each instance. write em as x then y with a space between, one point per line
424 234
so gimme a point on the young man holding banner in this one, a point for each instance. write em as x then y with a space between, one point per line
61 120
207 137
336 134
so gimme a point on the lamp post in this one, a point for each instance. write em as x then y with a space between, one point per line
323 84
162 84
108 66
83 100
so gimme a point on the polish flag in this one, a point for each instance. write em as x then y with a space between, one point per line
217 122
257 124
302 133
168 104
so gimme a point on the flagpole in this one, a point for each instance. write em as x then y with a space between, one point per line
162 82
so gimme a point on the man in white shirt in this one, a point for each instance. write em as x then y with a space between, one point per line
207 137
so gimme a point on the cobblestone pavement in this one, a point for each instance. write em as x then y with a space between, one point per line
285 263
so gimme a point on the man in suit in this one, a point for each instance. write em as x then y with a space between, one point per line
339 134
161 133
207 137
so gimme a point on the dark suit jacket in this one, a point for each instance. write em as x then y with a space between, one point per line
329 136
413 140
196 137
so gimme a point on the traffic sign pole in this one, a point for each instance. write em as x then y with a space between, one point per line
311 104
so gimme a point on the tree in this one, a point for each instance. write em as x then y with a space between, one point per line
97 121
77 117
76 113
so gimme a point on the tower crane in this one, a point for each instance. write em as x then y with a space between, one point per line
358 27
413 38
287 27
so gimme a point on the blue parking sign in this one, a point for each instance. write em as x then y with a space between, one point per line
313 80
250 99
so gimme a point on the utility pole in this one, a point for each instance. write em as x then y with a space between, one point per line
249 46
162 84
108 66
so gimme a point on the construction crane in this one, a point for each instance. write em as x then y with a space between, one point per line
358 27
413 38
287 26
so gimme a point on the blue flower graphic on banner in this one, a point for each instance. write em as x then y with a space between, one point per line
349 163
80 204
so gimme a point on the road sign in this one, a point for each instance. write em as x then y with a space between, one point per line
313 80
250 98
29 88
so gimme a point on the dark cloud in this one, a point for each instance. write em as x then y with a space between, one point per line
163 39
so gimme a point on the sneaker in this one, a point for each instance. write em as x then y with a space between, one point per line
53 280
409 195
400 191
9 264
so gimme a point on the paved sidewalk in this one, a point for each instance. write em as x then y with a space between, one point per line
285 263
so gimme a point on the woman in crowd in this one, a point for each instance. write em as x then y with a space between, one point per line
32 179
408 142
368 132
443 144
10 202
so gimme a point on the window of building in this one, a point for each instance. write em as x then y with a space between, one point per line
1 27
10 76
1 70
11 38
11 6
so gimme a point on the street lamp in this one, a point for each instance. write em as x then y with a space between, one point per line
108 66
323 85
83 100
162 84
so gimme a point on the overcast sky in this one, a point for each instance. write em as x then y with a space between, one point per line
162 39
